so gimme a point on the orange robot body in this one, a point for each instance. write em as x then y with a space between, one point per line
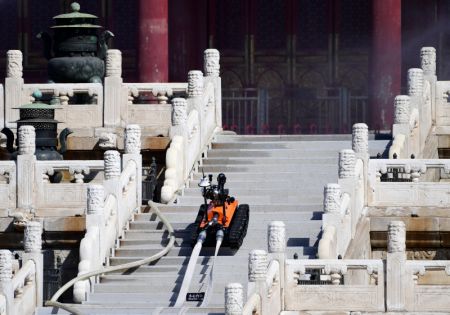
230 208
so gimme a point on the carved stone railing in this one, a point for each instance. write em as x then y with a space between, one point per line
8 187
195 121
21 292
110 206
345 201
106 109
420 184
66 196
278 284
339 296
417 112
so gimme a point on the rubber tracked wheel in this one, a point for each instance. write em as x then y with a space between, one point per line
196 226
238 226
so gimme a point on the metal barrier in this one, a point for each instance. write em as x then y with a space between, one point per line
292 110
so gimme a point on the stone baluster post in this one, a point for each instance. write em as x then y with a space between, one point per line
276 239
415 88
195 101
195 83
25 168
33 251
402 110
211 65
6 287
415 82
234 299
332 198
115 94
179 117
132 147
112 164
95 218
396 275
360 140
347 162
428 60
428 65
257 269
13 87
113 168
360 145
351 185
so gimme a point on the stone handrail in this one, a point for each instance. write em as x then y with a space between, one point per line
160 90
8 186
417 112
418 182
22 291
345 201
253 305
76 117
24 288
335 297
195 121
107 218
2 305
68 198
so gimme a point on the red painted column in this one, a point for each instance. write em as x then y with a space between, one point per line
385 62
153 41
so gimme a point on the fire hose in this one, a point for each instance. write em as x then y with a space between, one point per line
54 300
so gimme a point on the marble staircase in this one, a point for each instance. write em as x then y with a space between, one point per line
280 177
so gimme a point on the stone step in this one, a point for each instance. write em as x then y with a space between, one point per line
208 251
268 199
307 146
266 216
316 177
137 309
256 191
264 138
258 208
254 224
270 161
276 153
287 183
145 280
273 168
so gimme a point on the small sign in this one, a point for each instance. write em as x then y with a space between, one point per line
195 297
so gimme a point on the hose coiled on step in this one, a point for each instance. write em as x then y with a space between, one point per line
54 300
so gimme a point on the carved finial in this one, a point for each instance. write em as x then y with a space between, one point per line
33 237
257 265
179 111
402 109
195 83
75 6
27 140
5 265
332 198
428 60
415 82
347 162
112 164
113 63
360 138
95 199
14 67
396 237
276 237
133 139
211 62
234 299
